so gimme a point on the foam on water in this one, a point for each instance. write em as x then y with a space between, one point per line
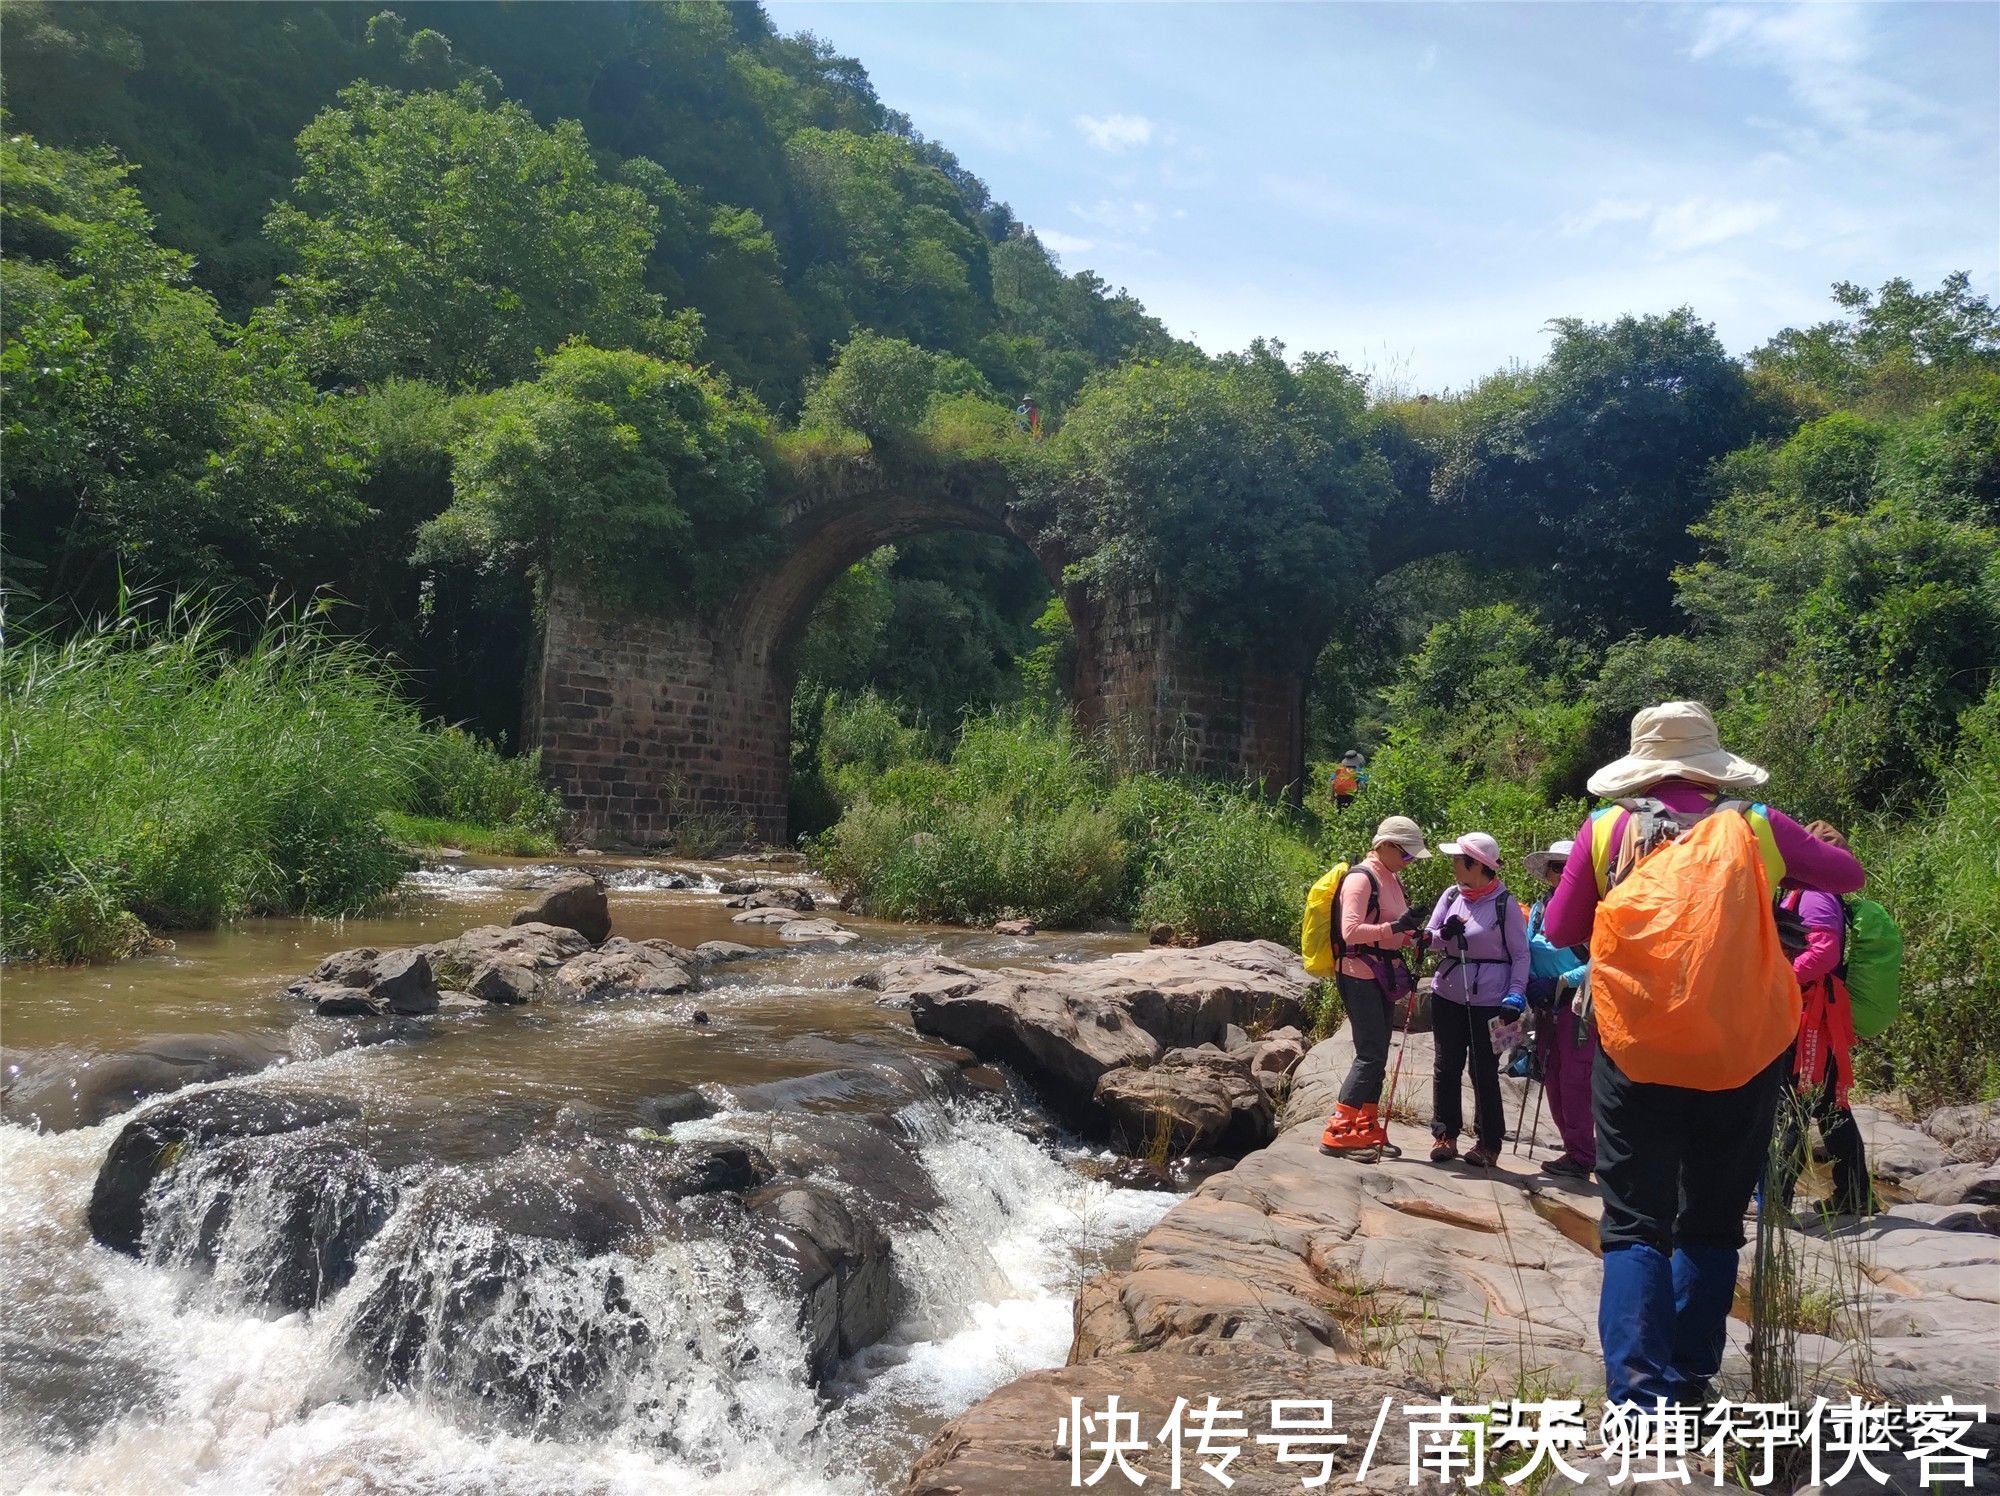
173 1384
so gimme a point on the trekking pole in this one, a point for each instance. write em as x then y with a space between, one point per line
1534 1131
1522 1116
1409 1013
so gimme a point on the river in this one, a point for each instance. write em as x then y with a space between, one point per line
173 1372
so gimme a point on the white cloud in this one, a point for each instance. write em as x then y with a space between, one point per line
1697 222
1605 210
1118 215
1428 59
1823 52
1691 223
1057 242
1116 133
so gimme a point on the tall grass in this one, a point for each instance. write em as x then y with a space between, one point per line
158 773
1028 818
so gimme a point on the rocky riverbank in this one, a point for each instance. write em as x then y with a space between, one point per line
1293 1274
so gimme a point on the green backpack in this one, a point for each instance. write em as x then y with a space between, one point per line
1873 966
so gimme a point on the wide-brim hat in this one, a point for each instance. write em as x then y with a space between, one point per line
1675 740
1537 863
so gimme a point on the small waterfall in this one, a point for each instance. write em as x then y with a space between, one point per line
525 1346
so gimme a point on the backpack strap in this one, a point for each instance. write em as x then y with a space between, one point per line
1340 945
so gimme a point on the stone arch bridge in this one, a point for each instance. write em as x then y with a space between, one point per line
646 721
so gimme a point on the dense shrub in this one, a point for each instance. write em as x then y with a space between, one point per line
157 776
1939 874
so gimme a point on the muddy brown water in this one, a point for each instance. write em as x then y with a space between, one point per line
123 1375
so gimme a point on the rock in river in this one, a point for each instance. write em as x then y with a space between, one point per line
620 968
1206 1100
394 981
577 902
1064 1029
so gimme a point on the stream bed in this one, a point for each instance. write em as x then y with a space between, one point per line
450 1354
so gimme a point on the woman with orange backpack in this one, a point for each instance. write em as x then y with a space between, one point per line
1696 1006
1823 1058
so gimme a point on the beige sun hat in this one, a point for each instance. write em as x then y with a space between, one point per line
1675 740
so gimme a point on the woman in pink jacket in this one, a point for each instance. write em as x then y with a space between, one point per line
1375 926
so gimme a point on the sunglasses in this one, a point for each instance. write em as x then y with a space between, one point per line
1464 861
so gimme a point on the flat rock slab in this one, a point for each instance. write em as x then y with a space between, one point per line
1064 1029
621 968
1007 1445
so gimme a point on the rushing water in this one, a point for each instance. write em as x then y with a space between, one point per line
184 1369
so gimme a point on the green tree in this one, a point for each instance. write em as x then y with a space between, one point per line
883 387
1243 489
613 470
442 238
1894 346
141 429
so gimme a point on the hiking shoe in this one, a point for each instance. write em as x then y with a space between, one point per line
1566 1167
1350 1128
1480 1158
1444 1150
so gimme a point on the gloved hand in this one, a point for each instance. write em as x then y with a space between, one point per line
1512 1006
1454 928
1408 922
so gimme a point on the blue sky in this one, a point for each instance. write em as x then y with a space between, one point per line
1420 187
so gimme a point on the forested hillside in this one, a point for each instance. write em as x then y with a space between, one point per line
361 223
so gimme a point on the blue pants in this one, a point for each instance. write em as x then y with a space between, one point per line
1678 1168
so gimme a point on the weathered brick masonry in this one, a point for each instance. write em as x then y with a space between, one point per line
644 722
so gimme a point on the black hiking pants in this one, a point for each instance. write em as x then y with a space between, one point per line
1370 1017
1678 1165
1462 1032
1852 1194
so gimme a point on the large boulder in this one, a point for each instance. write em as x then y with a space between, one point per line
171 1134
576 902
505 964
1957 1184
1064 1029
620 968
393 981
1971 1133
1205 1100
58 1091
842 1264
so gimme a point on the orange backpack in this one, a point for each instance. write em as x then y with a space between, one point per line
1688 981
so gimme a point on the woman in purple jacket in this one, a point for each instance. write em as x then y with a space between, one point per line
1482 976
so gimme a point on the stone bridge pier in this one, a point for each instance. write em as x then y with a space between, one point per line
648 723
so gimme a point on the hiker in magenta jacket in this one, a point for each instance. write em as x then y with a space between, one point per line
1823 1059
1678 1164
1481 937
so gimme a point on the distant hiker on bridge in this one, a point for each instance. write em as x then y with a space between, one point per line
1478 997
1697 1007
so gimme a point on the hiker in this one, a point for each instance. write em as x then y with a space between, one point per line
1565 1042
1678 1159
1349 776
1477 997
1375 922
1823 1059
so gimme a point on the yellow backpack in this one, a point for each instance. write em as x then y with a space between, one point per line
1320 945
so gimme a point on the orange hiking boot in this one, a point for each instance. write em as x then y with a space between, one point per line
1352 1128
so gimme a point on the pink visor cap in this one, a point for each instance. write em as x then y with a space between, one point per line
1477 845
